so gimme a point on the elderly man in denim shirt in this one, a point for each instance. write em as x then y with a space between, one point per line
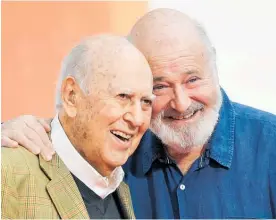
204 156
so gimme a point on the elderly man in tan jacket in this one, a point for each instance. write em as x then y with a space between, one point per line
103 106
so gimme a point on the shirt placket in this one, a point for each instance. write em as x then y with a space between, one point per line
183 187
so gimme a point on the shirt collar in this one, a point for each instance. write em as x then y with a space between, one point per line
150 149
221 143
220 147
78 166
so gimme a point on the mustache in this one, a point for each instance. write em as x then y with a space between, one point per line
195 106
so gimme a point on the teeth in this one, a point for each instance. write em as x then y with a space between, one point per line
178 117
183 117
124 135
189 115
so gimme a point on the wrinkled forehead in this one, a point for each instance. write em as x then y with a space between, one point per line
114 85
131 74
171 55
159 39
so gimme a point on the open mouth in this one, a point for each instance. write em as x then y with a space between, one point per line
122 135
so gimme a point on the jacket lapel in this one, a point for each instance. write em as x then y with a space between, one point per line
125 201
63 189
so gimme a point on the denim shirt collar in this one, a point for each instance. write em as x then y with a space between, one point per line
220 145
149 150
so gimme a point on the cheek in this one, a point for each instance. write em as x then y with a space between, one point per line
108 115
206 94
160 103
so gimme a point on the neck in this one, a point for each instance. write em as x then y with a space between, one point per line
185 159
69 127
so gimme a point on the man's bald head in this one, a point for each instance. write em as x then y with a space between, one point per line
96 56
166 29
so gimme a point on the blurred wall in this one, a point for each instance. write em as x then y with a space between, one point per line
35 38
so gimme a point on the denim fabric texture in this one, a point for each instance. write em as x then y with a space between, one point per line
234 178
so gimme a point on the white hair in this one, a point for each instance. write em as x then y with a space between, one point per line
189 136
77 65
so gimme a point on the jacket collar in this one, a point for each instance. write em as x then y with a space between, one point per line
123 194
66 196
63 189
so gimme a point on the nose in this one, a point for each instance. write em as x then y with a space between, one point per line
135 115
181 100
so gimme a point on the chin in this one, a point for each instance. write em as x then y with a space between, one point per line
187 137
117 159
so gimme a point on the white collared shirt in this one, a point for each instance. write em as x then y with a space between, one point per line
77 165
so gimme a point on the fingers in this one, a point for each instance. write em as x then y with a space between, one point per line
45 152
38 135
29 132
7 142
35 125
24 141
45 124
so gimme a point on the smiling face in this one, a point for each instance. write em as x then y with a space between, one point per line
187 102
187 91
115 115
111 120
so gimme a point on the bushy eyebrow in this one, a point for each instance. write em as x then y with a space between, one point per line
189 72
158 79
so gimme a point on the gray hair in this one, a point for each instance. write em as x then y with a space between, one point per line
75 64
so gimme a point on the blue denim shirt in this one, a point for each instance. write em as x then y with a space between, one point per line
234 178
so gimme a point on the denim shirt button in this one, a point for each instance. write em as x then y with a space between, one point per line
182 186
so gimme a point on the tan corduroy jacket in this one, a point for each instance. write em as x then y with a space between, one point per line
33 188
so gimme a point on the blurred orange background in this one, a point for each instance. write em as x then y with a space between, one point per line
35 38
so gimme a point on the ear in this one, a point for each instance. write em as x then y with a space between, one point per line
70 95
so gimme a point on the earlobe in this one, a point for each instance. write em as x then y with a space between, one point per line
71 112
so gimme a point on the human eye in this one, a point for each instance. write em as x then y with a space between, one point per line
159 87
192 79
147 102
124 96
